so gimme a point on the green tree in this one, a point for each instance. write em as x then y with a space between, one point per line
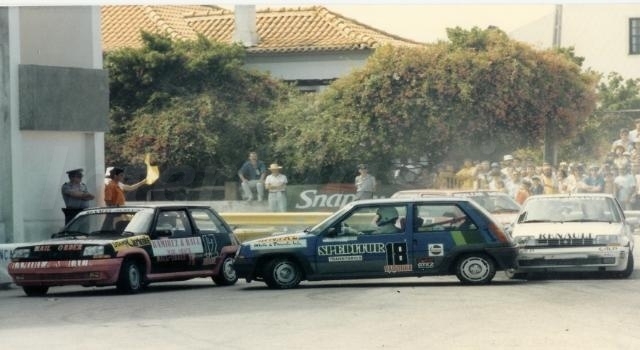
189 103
618 107
478 95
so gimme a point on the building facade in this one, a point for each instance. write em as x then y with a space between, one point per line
54 112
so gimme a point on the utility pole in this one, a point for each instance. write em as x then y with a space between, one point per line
550 153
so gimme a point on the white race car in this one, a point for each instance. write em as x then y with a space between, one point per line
573 232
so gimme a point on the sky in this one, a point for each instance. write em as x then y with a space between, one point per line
418 20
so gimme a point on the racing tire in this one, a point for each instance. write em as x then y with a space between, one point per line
35 291
475 269
282 273
227 275
626 273
130 280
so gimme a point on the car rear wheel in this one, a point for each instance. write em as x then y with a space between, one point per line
282 274
130 279
227 274
475 269
35 291
629 270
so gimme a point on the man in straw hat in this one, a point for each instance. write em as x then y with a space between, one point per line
276 184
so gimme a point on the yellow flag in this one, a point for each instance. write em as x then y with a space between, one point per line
152 170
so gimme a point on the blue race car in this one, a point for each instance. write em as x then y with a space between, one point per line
384 238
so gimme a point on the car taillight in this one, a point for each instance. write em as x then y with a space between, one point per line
498 233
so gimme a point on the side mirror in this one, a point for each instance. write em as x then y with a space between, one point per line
332 232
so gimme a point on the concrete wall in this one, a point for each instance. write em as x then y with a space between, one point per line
306 66
40 140
598 32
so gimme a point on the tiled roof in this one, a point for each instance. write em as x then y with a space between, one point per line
284 30
121 25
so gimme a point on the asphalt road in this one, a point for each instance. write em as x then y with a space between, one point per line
561 312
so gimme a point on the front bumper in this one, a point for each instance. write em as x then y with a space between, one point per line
98 272
600 258
244 268
505 256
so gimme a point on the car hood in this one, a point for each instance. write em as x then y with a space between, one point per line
505 218
559 229
70 242
281 241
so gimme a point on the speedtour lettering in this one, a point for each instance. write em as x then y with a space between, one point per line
352 249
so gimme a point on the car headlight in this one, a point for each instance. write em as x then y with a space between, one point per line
20 253
93 250
608 239
523 240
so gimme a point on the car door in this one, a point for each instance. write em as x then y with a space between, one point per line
174 245
357 246
439 231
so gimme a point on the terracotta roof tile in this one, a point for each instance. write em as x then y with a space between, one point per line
283 30
121 25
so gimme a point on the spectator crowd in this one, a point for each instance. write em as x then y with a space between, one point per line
618 174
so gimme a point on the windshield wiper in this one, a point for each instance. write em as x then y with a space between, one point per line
532 221
588 220
69 233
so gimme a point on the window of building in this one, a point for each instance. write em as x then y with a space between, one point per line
634 36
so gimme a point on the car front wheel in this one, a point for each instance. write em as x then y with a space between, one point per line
130 280
475 269
227 274
282 273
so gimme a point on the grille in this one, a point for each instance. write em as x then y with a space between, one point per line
565 242
567 262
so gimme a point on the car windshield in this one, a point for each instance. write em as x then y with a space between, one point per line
570 209
105 224
329 221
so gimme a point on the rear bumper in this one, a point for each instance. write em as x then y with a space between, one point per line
97 272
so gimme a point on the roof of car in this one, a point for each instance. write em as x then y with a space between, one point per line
573 195
411 200
442 192
129 208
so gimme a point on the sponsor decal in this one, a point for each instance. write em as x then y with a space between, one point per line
312 199
436 249
426 263
345 258
279 242
340 239
352 249
48 264
135 241
114 210
177 246
398 268
565 236
69 247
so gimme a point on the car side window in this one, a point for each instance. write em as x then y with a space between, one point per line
442 217
384 219
206 222
173 224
